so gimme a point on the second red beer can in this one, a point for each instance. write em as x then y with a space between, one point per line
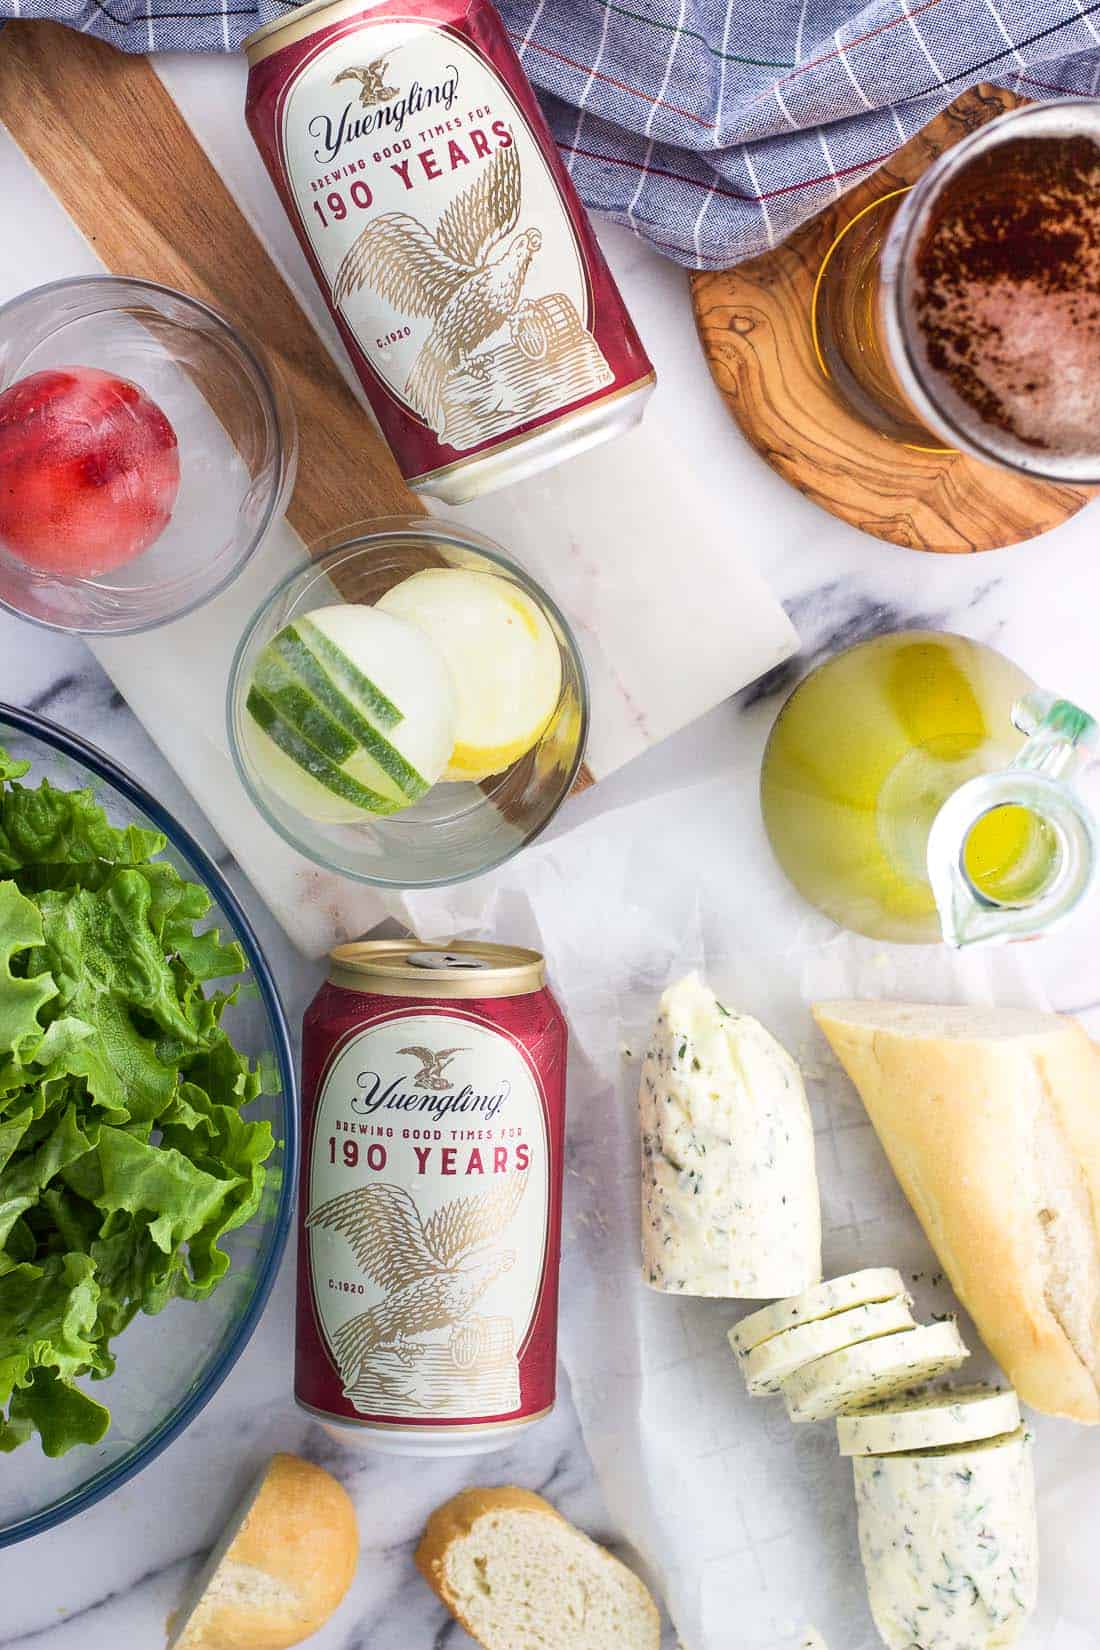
430 1210
457 260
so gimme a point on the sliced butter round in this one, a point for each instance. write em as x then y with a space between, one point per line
874 1283
859 1376
769 1363
929 1420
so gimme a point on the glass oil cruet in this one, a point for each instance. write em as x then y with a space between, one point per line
919 787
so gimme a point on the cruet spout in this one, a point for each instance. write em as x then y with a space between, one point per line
1013 852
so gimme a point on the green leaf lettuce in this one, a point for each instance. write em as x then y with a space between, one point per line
125 1154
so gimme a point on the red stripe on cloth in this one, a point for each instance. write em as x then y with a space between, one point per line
858 40
733 194
1045 85
586 69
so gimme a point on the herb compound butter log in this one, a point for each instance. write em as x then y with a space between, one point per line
729 1190
991 1121
949 1544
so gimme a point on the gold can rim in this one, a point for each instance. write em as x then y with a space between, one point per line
385 967
291 25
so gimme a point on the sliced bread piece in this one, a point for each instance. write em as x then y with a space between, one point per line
768 1364
284 1562
874 1283
991 1121
929 1420
518 1576
950 1544
862 1375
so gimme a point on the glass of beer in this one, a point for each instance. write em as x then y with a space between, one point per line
963 314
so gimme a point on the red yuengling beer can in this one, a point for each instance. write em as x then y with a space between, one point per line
429 1218
457 261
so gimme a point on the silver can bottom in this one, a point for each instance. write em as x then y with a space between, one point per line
525 456
444 1444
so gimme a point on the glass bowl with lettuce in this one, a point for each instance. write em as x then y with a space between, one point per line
147 1127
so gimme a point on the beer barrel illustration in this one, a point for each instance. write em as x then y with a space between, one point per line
481 1342
543 329
547 359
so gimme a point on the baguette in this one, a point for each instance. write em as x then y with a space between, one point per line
515 1574
284 1562
991 1121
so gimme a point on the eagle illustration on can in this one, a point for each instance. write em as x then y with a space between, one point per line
463 277
432 1273
372 83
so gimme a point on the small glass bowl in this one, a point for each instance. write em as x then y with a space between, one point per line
234 421
461 828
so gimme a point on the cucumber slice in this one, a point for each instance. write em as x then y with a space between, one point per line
316 769
283 674
296 705
340 672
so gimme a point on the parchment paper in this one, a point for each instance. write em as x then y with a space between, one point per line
745 1522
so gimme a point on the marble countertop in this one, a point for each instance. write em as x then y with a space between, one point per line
107 1579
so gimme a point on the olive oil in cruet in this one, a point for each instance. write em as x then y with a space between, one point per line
866 754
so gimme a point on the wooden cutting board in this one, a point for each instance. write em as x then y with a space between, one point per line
754 323
102 131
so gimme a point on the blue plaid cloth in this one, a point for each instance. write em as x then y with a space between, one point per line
714 127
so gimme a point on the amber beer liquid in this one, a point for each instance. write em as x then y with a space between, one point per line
964 313
433 1087
457 261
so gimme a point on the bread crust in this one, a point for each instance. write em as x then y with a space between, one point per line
456 1518
951 1113
300 1538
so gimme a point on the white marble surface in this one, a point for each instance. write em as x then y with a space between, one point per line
106 1580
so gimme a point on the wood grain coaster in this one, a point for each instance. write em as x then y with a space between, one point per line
754 323
104 134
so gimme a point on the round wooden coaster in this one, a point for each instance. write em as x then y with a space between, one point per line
755 325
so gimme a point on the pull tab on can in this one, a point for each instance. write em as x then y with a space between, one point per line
1014 852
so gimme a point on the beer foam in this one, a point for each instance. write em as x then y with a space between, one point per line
1041 364
1004 297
